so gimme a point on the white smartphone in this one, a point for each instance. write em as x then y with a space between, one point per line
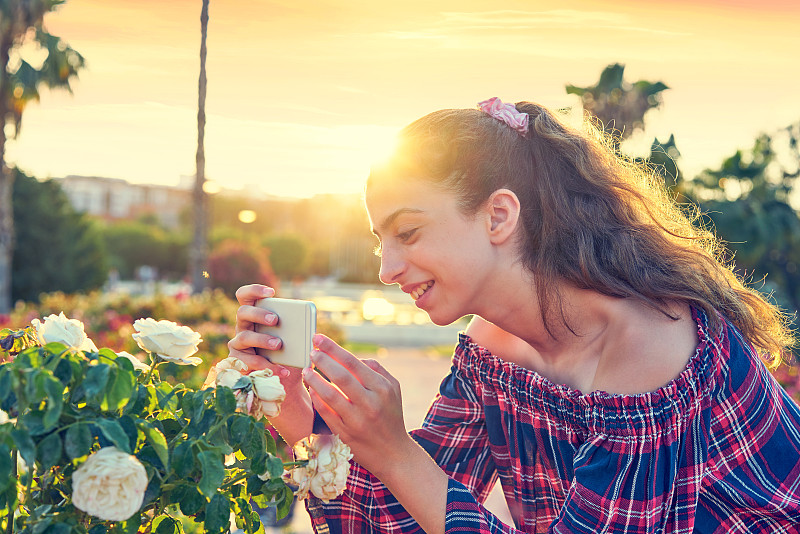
297 324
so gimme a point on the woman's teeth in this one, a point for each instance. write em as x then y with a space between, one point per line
417 293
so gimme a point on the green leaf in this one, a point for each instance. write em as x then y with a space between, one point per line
129 427
274 466
6 466
98 529
167 399
60 528
213 472
285 506
167 525
272 447
118 390
41 526
34 422
78 440
55 401
201 424
63 372
49 451
112 430
190 500
5 382
243 513
240 427
171 428
131 526
225 401
254 444
25 445
157 440
218 513
140 404
183 459
96 379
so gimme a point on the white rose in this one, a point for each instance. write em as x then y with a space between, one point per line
109 485
228 371
169 340
269 394
325 474
3 417
57 328
137 363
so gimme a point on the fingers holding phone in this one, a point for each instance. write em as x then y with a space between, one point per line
295 327
248 317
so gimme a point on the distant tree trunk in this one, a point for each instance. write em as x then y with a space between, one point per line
200 244
6 179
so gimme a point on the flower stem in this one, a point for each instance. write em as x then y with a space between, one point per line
296 463
234 480
153 357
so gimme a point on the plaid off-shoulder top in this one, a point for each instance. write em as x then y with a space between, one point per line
717 450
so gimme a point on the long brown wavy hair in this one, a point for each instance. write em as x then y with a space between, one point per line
591 218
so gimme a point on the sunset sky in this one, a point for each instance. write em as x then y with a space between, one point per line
303 94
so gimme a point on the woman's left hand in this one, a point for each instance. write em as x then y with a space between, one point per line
361 402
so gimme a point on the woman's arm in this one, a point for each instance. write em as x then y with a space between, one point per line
362 404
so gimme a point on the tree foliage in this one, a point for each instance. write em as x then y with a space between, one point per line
749 200
233 264
288 255
57 248
132 244
21 27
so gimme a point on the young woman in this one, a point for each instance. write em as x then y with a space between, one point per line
613 377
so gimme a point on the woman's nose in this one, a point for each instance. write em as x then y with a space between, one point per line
392 266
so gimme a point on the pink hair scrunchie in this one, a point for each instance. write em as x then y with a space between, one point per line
506 113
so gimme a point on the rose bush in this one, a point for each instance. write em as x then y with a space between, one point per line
111 448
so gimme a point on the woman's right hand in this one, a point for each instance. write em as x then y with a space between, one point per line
297 416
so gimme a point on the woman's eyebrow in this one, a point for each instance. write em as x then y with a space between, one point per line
390 219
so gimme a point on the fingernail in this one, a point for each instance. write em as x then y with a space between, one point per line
273 343
317 339
268 291
270 318
306 372
284 372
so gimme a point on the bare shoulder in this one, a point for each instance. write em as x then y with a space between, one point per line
648 352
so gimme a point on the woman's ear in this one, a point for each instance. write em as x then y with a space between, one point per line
503 215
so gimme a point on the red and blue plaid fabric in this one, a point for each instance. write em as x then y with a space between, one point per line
715 451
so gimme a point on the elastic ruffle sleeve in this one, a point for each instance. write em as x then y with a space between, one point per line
455 436
635 486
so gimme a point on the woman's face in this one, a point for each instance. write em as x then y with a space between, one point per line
435 253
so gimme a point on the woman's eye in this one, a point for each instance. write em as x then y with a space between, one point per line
405 236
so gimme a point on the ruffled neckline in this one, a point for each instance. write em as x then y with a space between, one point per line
596 412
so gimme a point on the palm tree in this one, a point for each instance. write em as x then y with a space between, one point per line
200 242
618 105
21 23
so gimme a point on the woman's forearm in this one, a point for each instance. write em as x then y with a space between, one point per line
419 484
